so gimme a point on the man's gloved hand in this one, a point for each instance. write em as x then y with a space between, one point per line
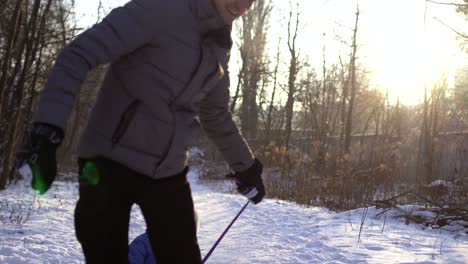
249 182
37 158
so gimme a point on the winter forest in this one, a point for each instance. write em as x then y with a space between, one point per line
328 134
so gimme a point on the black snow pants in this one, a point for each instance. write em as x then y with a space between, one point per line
102 215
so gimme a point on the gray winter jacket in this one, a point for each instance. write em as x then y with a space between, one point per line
165 70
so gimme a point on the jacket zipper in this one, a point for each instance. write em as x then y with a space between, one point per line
124 121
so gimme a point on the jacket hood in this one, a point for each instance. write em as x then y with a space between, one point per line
208 17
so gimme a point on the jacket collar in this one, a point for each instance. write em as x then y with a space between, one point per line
207 16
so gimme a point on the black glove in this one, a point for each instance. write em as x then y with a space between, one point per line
37 158
249 182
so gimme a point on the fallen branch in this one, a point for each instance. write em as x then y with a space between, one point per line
445 214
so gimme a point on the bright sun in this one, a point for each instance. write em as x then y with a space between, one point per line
409 68
413 53
406 75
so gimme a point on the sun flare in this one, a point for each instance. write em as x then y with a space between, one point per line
407 79
419 56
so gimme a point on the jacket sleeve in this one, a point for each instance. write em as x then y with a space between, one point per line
216 120
124 30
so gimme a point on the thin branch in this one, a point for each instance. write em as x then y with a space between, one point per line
463 35
100 10
451 4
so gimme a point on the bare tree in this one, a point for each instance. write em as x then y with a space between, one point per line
430 127
253 39
8 54
269 119
293 28
23 61
352 85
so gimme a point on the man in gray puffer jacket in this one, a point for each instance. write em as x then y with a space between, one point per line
168 65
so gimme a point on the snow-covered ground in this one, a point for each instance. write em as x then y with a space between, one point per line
40 230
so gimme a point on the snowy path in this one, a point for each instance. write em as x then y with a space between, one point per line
272 232
280 232
275 233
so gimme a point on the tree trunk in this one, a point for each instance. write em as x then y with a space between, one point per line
273 93
293 71
353 87
6 63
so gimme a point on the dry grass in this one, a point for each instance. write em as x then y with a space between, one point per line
375 169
